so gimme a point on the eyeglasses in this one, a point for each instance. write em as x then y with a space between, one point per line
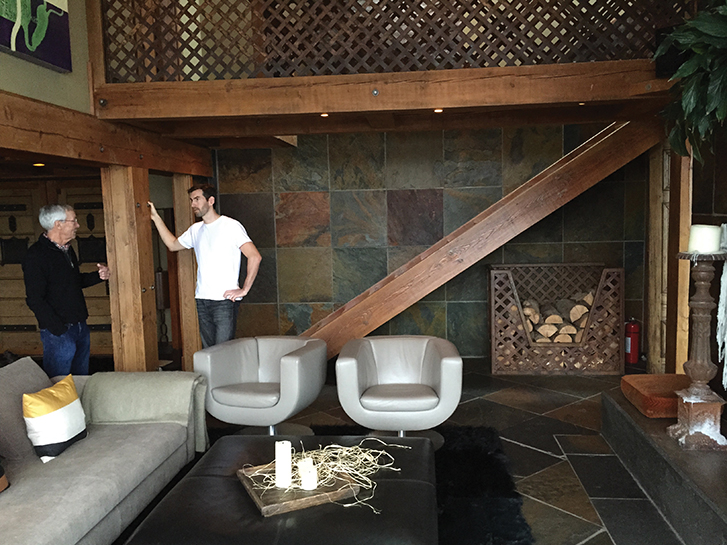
74 220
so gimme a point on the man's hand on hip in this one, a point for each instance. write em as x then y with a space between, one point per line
234 295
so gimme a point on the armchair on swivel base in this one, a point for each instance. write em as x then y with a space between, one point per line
262 381
400 383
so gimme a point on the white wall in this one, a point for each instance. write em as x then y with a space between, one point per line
31 80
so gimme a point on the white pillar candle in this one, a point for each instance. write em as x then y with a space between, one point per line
283 464
705 239
308 474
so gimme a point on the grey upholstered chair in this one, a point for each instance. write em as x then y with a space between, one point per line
399 383
262 381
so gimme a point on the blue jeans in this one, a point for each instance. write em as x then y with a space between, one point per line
217 320
67 353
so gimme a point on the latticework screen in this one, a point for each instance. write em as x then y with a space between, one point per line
175 40
513 352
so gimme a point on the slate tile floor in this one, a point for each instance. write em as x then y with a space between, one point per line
575 489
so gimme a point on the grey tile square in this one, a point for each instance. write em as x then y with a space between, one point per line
539 432
635 522
357 160
256 212
355 270
358 218
605 477
472 158
303 168
412 159
461 205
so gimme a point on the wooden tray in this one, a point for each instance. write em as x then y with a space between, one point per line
654 395
277 500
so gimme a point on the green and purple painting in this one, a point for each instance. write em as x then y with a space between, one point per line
37 30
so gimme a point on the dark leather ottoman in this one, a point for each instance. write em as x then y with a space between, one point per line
210 506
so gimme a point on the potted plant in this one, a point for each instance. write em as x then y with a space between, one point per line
700 103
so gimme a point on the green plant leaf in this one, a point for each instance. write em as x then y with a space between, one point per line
691 65
692 93
710 23
678 140
716 88
664 46
721 111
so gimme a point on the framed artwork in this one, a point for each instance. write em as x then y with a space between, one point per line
37 30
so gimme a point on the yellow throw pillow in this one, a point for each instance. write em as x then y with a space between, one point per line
3 479
54 418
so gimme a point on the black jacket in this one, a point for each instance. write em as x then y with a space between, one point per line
54 286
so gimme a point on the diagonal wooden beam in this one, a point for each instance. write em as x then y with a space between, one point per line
512 86
36 127
567 178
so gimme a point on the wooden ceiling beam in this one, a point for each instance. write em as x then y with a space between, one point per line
257 142
35 127
518 86
224 128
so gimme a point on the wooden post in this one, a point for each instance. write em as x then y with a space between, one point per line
129 250
680 220
656 263
186 273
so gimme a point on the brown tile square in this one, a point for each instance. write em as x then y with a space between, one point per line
586 413
304 275
415 217
303 219
535 400
551 526
583 444
559 486
244 171
257 319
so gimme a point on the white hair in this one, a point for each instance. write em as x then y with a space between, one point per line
51 213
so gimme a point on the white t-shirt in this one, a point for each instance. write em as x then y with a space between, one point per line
217 248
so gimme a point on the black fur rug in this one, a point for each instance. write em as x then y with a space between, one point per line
478 503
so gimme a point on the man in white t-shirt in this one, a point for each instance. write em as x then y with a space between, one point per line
217 241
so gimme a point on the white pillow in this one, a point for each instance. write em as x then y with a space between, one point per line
54 418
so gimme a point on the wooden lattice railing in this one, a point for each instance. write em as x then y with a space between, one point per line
178 40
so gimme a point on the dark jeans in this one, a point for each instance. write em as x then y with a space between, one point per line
217 320
67 353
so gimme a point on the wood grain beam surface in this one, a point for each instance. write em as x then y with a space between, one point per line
567 83
130 258
228 128
567 178
32 126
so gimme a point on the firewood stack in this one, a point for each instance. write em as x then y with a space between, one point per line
560 321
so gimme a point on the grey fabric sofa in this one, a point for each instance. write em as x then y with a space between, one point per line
142 429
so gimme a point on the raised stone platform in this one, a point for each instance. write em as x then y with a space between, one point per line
688 487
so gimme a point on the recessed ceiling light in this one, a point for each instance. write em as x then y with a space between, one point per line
438 111
38 164
581 104
324 115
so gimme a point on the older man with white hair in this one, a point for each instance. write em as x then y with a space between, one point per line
54 292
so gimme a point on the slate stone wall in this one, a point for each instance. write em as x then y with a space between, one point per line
340 212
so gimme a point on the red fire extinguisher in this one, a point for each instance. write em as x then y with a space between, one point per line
631 342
